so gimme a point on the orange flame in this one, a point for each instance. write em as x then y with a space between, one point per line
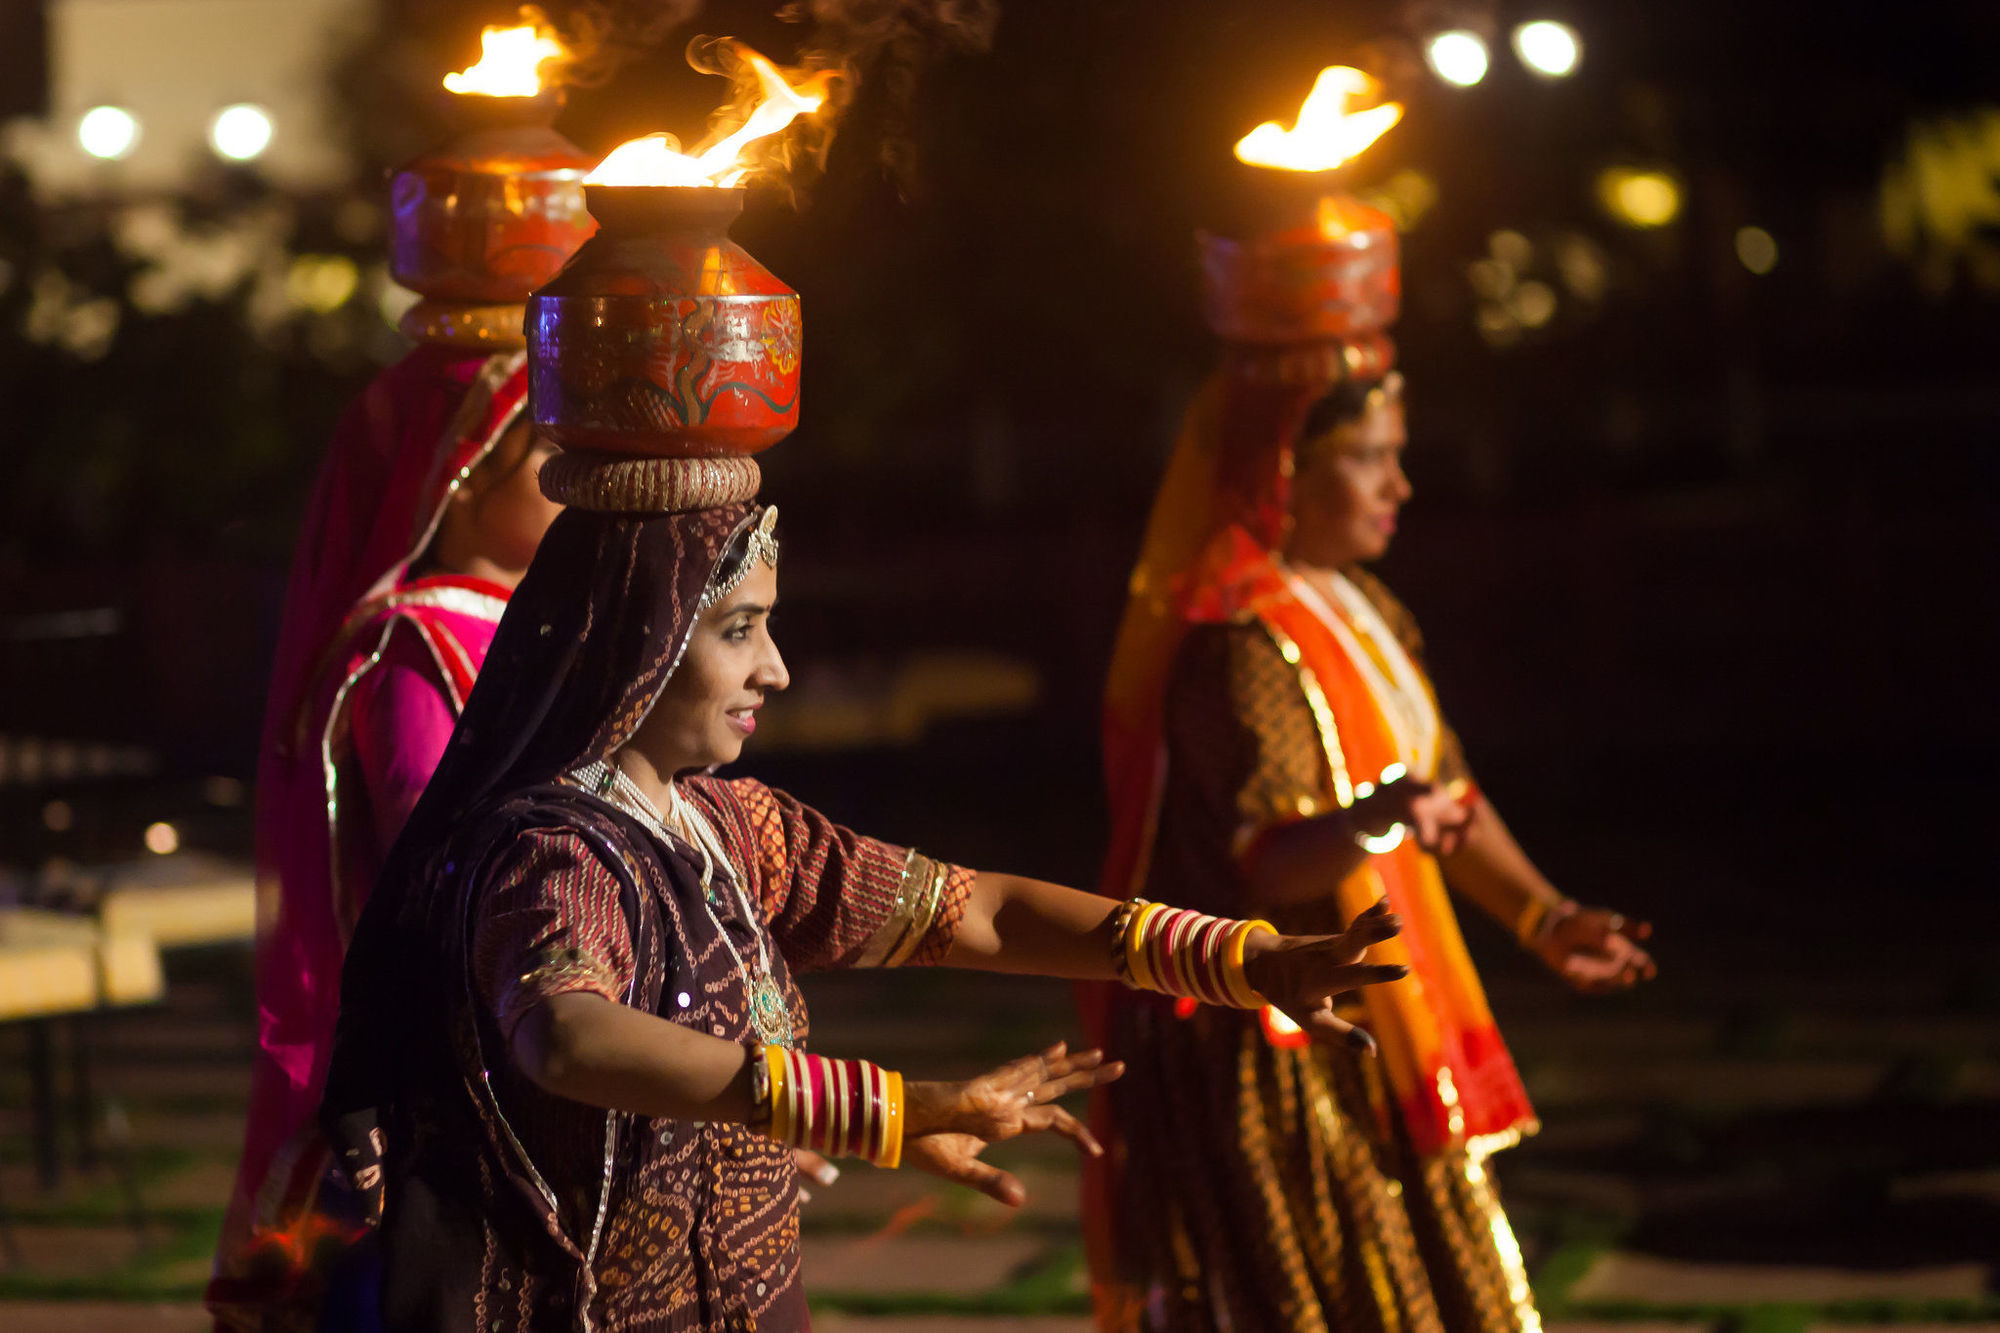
1328 134
510 62
657 159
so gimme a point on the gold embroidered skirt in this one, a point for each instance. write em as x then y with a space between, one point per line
1266 1189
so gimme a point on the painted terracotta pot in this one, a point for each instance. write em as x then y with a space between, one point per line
493 214
1329 276
663 337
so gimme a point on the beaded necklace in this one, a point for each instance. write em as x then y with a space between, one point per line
770 1011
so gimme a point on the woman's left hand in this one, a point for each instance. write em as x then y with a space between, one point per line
1595 950
947 1125
1301 974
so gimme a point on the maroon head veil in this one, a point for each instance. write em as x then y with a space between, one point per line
591 634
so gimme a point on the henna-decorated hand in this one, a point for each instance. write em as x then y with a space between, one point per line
1300 974
947 1125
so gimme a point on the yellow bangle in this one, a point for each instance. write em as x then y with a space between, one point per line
1529 923
892 1133
781 1110
1233 963
1135 952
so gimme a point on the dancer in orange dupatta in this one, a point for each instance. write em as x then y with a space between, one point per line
1273 745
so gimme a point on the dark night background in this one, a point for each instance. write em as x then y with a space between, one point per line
1706 561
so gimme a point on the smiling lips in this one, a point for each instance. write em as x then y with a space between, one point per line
744 719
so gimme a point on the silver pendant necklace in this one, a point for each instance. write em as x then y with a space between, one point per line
770 1011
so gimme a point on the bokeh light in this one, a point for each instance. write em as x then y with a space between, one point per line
162 838
1458 57
1533 304
1639 197
108 132
1757 248
1550 49
241 132
321 283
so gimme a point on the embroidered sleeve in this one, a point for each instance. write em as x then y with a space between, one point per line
835 898
552 921
1240 733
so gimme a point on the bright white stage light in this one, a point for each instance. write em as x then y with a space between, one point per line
1550 49
240 132
108 132
1458 57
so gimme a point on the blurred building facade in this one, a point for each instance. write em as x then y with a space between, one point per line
173 67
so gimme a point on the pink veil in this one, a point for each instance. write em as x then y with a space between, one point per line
396 457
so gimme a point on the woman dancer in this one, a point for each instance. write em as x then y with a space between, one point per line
424 516
571 1055
1273 746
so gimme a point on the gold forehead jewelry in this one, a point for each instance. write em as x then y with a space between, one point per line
762 544
1390 390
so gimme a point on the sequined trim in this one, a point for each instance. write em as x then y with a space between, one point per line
556 971
493 376
464 601
1480 1245
1506 1248
1329 732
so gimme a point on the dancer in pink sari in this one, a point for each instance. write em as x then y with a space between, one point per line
425 514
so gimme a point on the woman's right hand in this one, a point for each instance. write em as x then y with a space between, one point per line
1436 818
947 1125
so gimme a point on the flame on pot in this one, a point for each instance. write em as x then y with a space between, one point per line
1329 133
767 102
510 62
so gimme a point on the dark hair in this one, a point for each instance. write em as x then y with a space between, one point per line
729 567
1344 402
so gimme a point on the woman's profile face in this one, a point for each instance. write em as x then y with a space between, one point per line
708 708
508 506
1348 488
498 515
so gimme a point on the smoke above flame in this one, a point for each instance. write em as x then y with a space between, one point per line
1328 133
510 60
767 101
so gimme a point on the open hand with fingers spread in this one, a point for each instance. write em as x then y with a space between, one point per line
947 1125
1301 974
1595 950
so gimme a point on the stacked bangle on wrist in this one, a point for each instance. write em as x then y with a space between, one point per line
1540 918
1180 952
840 1108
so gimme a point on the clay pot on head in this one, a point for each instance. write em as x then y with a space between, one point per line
481 222
663 337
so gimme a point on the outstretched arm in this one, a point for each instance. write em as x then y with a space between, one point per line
594 1050
1013 924
1490 868
1589 947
